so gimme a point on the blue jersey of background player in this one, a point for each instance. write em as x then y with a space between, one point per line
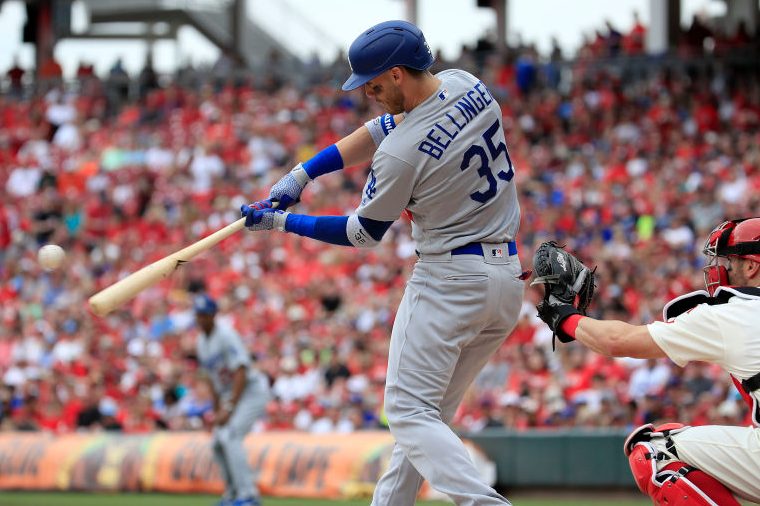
439 153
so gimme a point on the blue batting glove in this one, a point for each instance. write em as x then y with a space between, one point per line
261 204
263 219
288 189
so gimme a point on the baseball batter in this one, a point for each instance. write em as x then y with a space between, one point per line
439 154
240 396
674 463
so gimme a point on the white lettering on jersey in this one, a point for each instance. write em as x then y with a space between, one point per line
455 119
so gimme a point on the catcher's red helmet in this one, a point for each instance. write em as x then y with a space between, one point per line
740 238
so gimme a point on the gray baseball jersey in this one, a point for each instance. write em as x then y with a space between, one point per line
451 204
220 355
447 164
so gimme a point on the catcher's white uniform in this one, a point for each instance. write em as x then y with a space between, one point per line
726 335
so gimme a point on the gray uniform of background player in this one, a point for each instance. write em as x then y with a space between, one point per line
456 310
220 354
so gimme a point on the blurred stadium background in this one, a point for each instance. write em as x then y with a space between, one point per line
628 148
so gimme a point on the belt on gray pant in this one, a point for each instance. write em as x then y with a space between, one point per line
490 250
476 248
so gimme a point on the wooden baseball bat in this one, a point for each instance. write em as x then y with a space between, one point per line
125 289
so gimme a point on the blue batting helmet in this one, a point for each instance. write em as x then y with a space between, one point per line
203 304
389 44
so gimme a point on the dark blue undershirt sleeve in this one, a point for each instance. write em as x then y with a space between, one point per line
332 229
376 229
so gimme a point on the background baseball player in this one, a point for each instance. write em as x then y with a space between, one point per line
447 164
673 463
240 395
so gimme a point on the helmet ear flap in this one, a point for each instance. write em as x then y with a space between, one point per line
715 276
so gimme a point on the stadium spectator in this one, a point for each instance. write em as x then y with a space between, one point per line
634 42
15 76
613 40
694 38
50 73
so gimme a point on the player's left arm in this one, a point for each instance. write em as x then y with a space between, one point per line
359 146
355 148
615 338
695 335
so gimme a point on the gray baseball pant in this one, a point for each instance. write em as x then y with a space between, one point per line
227 441
455 313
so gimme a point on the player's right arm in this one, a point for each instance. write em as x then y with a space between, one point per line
204 377
355 148
226 408
387 192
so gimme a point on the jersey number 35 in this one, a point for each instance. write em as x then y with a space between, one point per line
486 159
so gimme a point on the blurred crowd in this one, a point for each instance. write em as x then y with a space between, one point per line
631 174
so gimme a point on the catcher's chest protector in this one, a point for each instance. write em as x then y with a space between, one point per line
676 484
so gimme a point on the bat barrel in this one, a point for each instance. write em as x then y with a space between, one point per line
123 290
113 296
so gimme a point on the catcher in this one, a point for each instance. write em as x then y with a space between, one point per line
677 464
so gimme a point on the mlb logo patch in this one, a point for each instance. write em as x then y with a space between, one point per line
497 253
443 95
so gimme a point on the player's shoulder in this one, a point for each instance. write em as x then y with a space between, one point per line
226 331
456 73
457 76
402 145
747 307
718 315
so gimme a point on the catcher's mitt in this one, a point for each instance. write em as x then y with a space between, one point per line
564 275
568 285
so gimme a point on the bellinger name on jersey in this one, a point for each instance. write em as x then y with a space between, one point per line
444 131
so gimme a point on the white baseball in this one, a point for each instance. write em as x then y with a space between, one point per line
50 256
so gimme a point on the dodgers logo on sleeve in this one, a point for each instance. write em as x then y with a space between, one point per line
371 189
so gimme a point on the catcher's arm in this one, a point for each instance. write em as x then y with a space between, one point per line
615 338
568 290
